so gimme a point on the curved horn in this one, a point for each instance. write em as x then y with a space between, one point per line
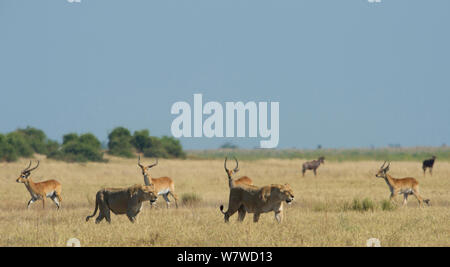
382 166
32 169
29 165
237 164
389 164
153 165
139 162
225 164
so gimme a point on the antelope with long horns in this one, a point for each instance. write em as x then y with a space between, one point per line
41 190
404 186
163 186
242 180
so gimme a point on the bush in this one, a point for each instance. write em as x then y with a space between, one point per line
190 199
7 151
36 138
20 144
156 149
79 149
173 147
119 143
141 140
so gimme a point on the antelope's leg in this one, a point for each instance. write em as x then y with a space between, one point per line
166 198
417 195
174 197
55 200
405 199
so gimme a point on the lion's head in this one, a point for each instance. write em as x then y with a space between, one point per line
144 192
286 193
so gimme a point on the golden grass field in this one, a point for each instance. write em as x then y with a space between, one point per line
316 218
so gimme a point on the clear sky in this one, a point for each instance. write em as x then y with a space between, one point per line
346 73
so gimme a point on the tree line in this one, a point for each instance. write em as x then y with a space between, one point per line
86 147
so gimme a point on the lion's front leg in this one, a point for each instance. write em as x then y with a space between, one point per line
279 216
279 213
134 207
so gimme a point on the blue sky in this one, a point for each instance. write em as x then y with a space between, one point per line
346 73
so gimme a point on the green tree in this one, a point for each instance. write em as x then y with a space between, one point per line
141 140
70 137
79 149
119 143
36 138
20 144
7 151
173 147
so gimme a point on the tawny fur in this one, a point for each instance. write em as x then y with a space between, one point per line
122 201
257 200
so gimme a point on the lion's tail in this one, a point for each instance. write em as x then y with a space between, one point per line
221 209
96 208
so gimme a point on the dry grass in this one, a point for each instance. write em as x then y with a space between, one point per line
318 217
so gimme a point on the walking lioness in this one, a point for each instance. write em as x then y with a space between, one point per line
122 201
257 200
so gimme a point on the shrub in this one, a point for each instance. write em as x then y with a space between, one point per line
69 137
36 138
119 143
173 147
156 149
7 151
190 199
79 149
141 140
20 144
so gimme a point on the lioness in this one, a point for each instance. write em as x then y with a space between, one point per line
257 200
122 201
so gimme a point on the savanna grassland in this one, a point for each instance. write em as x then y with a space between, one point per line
325 211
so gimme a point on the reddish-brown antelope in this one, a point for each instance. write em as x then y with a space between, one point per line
42 190
242 180
163 185
404 186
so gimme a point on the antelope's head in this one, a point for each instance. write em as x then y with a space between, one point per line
233 171
321 160
383 170
145 168
23 177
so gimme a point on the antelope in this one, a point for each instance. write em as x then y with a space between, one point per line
312 165
242 180
49 188
404 186
428 163
163 185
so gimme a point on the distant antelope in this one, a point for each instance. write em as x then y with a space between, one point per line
242 180
428 163
404 186
50 188
163 185
312 165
